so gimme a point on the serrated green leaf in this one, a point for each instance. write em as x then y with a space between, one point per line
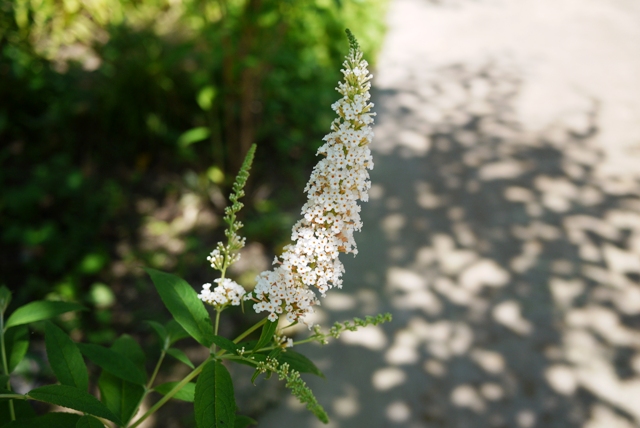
113 362
187 392
120 396
160 331
299 362
50 420
127 346
180 356
175 332
266 335
244 421
16 340
65 358
183 303
72 398
225 344
89 422
214 403
40 310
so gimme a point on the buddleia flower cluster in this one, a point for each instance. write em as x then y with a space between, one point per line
331 214
228 292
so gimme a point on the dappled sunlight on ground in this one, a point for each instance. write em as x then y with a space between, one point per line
509 254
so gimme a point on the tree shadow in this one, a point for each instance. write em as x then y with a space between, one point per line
508 258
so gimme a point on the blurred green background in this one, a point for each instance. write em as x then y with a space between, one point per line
123 123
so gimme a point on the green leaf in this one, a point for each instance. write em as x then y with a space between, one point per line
73 398
120 396
5 298
65 358
225 344
214 403
183 303
22 409
127 346
160 331
50 420
248 345
175 332
89 422
187 392
266 336
40 310
244 421
193 136
113 362
255 375
180 356
16 341
299 362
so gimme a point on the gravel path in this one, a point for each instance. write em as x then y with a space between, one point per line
504 227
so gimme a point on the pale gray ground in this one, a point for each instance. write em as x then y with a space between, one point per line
504 228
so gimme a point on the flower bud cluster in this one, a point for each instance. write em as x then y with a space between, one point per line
225 293
224 255
331 213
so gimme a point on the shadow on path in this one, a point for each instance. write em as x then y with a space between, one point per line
510 264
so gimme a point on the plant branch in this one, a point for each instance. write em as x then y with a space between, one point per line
171 393
5 366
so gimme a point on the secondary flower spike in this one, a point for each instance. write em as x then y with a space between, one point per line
331 213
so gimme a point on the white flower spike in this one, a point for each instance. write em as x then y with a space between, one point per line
331 213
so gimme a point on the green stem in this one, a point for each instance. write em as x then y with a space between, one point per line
149 385
250 330
156 370
193 374
171 393
307 340
215 328
5 366
14 397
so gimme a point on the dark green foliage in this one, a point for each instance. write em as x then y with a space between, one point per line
187 392
40 310
180 356
50 420
225 344
22 408
299 362
214 402
89 422
111 361
72 398
81 143
16 341
121 396
266 335
183 303
65 358
244 421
